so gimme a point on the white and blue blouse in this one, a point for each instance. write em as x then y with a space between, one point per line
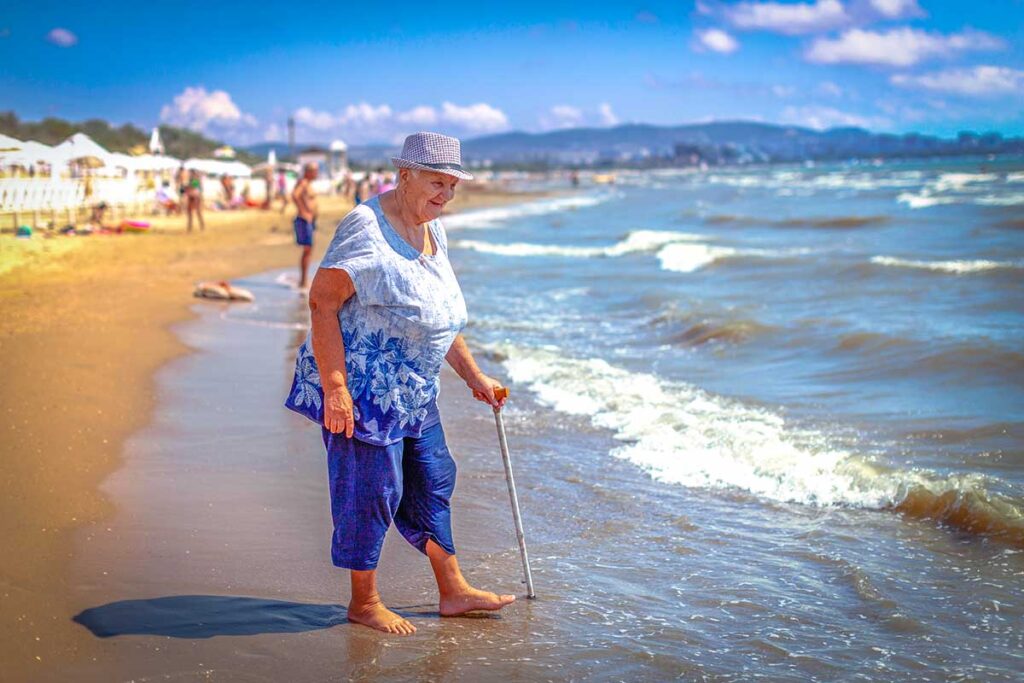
397 328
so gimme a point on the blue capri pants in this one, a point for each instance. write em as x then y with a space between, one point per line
409 482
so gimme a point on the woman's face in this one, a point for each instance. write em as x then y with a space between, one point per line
427 192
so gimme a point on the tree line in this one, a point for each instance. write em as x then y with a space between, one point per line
178 142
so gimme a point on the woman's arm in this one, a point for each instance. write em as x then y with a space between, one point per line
330 289
461 360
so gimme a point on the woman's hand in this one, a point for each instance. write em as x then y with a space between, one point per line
338 411
483 389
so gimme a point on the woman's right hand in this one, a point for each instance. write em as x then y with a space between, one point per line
338 411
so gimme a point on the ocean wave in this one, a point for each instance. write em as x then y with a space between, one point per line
1001 200
489 218
923 200
697 332
682 435
960 267
959 182
825 222
636 241
897 356
687 258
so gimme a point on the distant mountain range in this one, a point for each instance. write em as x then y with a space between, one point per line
712 143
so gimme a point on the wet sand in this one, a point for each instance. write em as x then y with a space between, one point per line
216 564
85 326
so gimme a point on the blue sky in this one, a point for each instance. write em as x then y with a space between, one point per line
371 72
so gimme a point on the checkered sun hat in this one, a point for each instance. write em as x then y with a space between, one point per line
432 152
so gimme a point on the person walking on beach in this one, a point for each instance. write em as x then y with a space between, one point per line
194 198
181 183
305 222
387 311
281 191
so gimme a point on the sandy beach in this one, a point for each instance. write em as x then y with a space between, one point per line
714 463
86 325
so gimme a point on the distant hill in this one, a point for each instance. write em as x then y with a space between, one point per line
718 143
178 142
725 142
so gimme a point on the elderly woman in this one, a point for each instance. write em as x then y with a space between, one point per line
386 311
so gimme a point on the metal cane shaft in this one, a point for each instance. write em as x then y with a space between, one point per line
510 480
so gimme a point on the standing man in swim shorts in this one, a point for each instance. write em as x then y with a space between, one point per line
305 222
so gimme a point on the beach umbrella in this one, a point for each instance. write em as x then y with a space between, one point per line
119 160
82 150
156 145
500 393
88 162
9 144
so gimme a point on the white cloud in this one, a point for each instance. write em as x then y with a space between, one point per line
198 110
788 18
365 122
364 114
783 91
896 47
979 81
897 9
562 116
421 116
62 37
821 118
480 117
317 120
272 133
607 116
717 40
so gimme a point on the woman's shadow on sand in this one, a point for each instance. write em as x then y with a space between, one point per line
205 616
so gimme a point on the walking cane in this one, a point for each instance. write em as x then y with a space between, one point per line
500 393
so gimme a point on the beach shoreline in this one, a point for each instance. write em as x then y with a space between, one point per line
87 324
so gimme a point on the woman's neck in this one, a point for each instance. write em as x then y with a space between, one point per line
406 214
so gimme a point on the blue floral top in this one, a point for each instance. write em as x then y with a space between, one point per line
397 328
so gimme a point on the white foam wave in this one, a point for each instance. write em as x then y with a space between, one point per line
525 249
956 267
1001 200
923 200
686 258
489 218
958 182
1017 177
683 435
636 241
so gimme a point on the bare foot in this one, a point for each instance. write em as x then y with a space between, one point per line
470 599
375 615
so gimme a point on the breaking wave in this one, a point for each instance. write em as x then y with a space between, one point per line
680 434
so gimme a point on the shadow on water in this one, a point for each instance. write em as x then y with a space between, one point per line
205 616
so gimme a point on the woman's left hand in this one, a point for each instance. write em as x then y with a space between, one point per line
483 389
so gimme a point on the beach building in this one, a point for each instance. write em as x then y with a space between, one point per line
338 160
315 155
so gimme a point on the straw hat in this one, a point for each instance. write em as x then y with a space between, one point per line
432 152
